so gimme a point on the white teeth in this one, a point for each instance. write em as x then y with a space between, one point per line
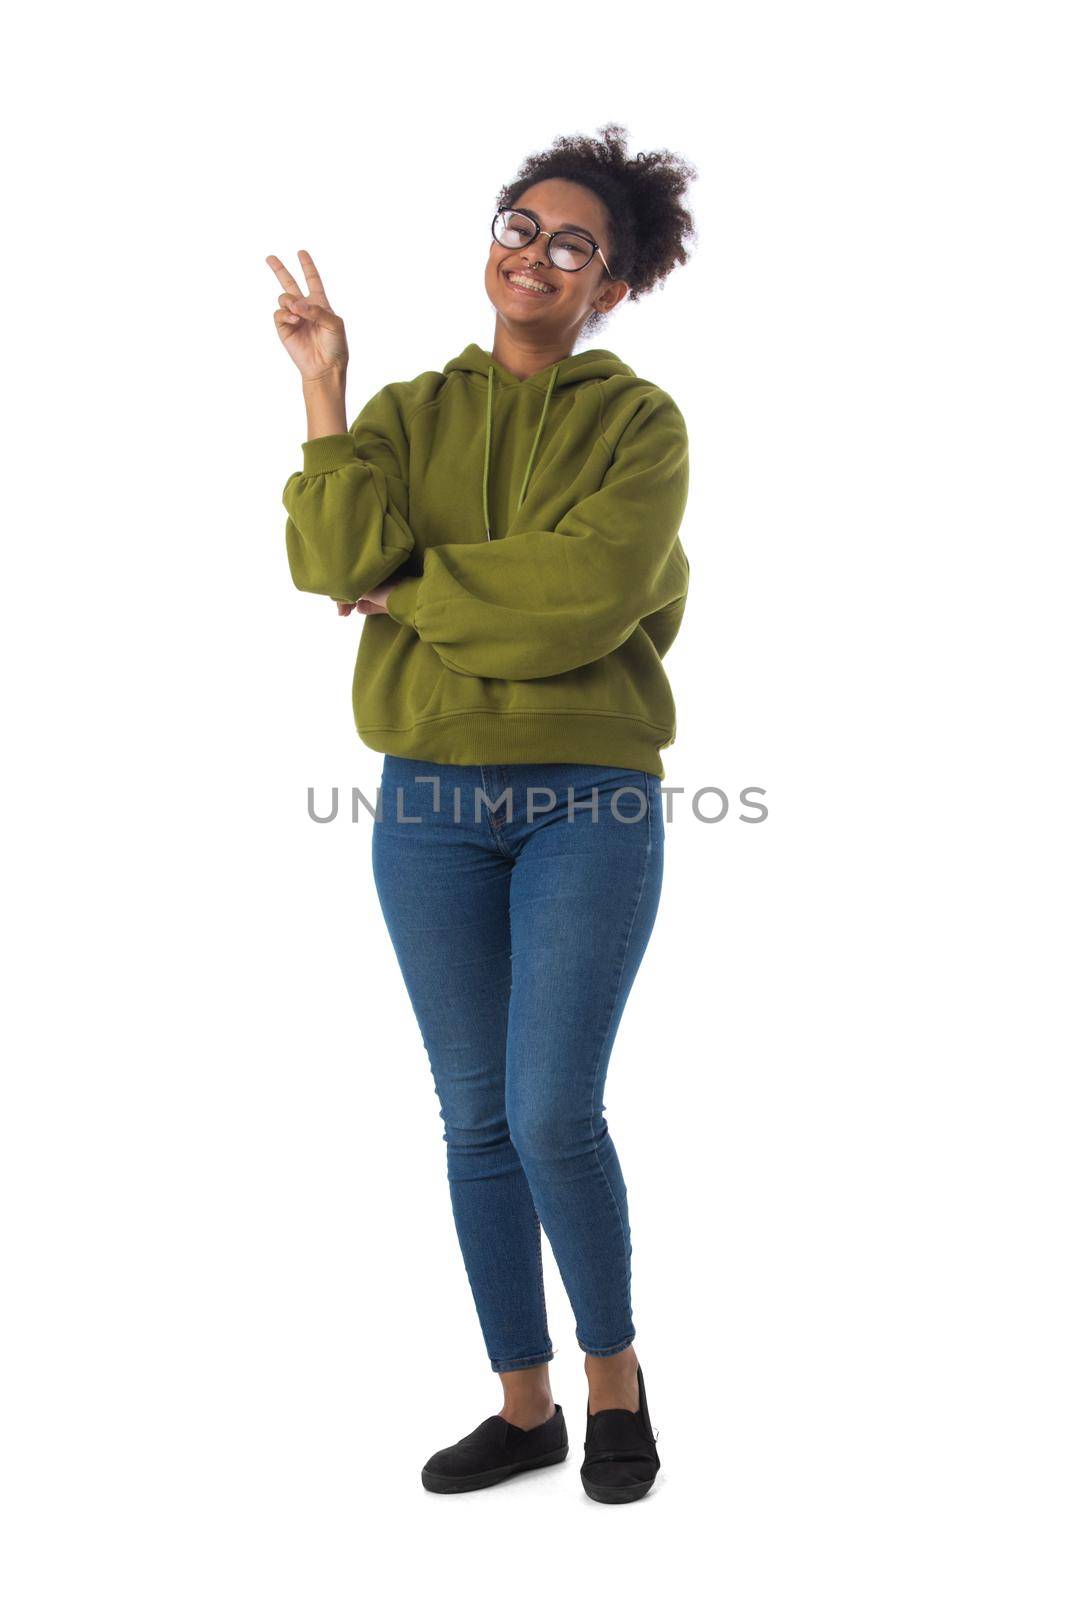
529 283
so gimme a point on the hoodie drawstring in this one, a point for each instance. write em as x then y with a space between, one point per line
533 449
537 435
488 435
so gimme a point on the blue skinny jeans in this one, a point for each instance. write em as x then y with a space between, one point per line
519 930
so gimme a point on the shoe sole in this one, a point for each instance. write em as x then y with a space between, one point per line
615 1495
442 1483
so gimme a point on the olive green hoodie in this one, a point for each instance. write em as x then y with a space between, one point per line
533 524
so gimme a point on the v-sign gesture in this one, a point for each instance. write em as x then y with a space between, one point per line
307 325
314 336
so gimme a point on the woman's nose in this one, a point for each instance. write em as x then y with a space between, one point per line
535 254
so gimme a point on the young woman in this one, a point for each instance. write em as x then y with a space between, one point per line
509 527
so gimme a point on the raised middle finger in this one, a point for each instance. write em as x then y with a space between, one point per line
311 272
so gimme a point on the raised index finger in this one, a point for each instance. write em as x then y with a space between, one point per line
311 272
284 276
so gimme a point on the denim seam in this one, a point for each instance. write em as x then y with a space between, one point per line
596 1068
541 1272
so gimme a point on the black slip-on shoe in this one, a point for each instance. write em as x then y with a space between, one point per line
495 1450
621 1459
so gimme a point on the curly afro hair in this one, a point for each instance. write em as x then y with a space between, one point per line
642 193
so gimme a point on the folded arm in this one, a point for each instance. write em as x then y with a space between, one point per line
535 604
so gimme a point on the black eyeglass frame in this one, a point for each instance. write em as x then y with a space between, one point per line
513 211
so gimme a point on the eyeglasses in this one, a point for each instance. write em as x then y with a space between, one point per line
570 252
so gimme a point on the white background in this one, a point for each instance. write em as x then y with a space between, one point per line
237 1321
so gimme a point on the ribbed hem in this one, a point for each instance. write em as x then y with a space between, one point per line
332 450
470 738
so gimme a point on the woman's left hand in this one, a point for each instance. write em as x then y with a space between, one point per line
370 604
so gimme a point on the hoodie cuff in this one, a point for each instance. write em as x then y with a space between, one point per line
402 601
330 451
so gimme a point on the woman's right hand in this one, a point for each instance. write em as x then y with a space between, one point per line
307 325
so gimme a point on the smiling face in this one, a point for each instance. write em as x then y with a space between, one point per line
534 298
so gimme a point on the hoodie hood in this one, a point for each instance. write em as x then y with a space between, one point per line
583 367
